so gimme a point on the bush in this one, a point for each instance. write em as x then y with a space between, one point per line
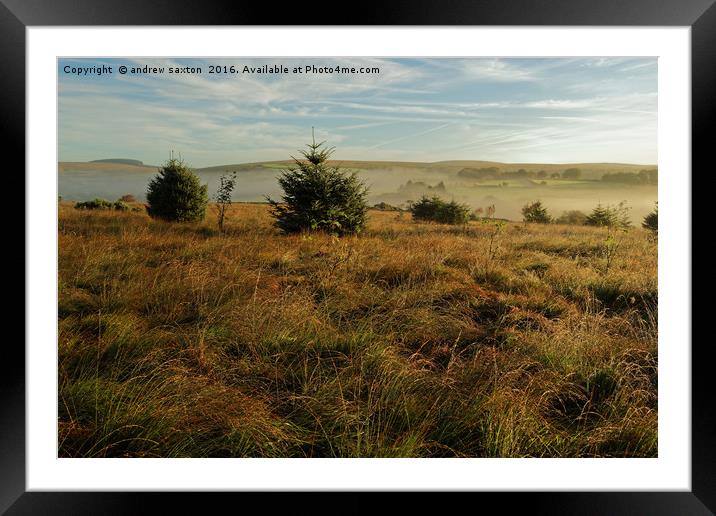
651 221
227 182
535 212
476 214
102 204
319 198
609 216
96 204
175 194
384 206
435 209
128 198
574 217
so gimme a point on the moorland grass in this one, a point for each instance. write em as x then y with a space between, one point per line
411 340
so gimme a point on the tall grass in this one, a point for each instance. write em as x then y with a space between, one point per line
412 340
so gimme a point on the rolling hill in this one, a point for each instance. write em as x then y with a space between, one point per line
589 170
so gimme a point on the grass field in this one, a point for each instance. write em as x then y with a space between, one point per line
411 340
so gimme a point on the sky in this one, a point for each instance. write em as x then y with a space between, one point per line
515 110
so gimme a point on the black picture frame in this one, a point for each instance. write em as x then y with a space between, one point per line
16 15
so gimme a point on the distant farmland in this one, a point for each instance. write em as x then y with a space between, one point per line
87 180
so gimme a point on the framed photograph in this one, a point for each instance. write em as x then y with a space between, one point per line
419 252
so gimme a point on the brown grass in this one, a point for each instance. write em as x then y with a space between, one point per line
409 340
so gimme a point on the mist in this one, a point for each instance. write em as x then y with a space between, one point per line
389 185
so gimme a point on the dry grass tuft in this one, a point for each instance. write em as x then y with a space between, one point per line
412 340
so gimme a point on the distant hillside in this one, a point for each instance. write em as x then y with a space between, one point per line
100 166
548 167
588 170
352 164
123 161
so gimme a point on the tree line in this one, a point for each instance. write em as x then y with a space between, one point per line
643 177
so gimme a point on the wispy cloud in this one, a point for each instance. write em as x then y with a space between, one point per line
409 136
558 110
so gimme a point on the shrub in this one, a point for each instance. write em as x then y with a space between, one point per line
651 221
535 212
128 198
175 194
223 197
96 204
102 204
436 210
609 216
574 217
319 198
384 206
477 214
616 220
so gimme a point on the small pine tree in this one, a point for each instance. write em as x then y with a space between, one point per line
609 216
319 198
223 197
622 214
175 194
535 212
651 221
601 216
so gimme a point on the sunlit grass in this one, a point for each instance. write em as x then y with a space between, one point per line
411 340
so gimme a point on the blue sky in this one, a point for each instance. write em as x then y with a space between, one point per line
546 110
